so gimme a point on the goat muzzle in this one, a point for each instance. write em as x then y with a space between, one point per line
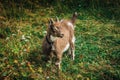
61 35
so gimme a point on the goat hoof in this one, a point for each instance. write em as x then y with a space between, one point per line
58 65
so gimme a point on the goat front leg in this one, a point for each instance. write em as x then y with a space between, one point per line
59 58
69 51
49 57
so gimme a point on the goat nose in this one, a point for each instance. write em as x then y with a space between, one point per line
61 35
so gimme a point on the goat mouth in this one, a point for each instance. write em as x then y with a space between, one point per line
61 36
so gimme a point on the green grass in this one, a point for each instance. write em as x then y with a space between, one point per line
97 47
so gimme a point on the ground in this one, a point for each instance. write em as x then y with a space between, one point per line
97 46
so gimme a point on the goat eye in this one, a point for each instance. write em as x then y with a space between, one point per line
52 28
56 28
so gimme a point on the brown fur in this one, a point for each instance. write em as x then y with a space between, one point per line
63 34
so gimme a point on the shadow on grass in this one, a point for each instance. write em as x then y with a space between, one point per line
37 58
108 75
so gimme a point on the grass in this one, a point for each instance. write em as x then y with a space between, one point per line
97 47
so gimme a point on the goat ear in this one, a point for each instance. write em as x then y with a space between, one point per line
57 19
51 21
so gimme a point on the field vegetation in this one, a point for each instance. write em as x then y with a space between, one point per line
23 25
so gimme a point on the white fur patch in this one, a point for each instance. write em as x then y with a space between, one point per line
66 48
73 39
61 20
53 38
53 48
71 25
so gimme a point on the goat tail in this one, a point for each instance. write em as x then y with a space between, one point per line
75 15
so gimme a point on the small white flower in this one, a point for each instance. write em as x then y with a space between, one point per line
23 63
13 34
26 40
7 38
79 5
44 32
23 37
25 50
18 30
28 37
47 77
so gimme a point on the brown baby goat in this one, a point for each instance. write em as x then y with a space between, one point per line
59 38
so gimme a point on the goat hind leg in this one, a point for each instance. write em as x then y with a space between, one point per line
72 49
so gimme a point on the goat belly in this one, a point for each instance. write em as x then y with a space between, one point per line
66 47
